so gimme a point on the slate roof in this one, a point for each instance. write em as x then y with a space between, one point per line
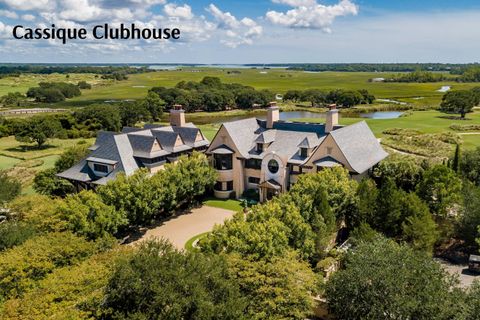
283 139
126 150
360 147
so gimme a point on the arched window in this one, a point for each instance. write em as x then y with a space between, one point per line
273 166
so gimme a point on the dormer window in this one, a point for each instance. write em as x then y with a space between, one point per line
303 152
100 168
259 147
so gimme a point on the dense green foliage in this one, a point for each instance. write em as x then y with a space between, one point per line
87 215
396 213
66 69
470 165
101 117
383 280
37 129
9 188
419 76
303 219
53 91
142 197
440 188
469 221
345 98
23 265
280 288
72 292
460 101
13 233
210 94
13 99
377 67
159 282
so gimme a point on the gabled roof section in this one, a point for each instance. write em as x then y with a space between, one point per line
141 143
266 137
308 143
168 140
191 136
359 146
243 134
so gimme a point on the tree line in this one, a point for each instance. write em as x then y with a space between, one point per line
317 97
84 122
210 94
378 67
14 69
466 74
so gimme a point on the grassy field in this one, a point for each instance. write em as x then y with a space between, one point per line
24 161
25 81
277 80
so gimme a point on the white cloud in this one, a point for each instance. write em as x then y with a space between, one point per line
8 14
5 31
28 17
310 14
183 12
296 3
237 32
29 4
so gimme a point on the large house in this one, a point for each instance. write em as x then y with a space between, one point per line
268 155
134 148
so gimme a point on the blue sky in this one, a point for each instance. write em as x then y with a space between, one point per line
252 31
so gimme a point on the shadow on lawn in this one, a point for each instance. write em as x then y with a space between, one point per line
27 148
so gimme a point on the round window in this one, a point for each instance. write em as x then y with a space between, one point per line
273 166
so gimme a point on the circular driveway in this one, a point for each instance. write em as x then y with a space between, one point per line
179 229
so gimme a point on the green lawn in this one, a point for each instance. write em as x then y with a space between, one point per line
26 81
230 204
189 244
7 162
9 147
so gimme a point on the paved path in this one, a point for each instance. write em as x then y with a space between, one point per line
182 228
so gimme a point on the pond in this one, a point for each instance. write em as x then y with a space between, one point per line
289 115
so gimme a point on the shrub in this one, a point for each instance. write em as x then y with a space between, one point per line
9 188
87 215
159 282
13 233
382 279
37 211
23 265
74 292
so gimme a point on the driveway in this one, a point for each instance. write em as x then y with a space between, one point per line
182 228
466 278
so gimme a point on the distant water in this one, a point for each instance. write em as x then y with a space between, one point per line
444 89
392 101
382 115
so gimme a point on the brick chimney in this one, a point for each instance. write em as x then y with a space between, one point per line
332 118
273 115
177 116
